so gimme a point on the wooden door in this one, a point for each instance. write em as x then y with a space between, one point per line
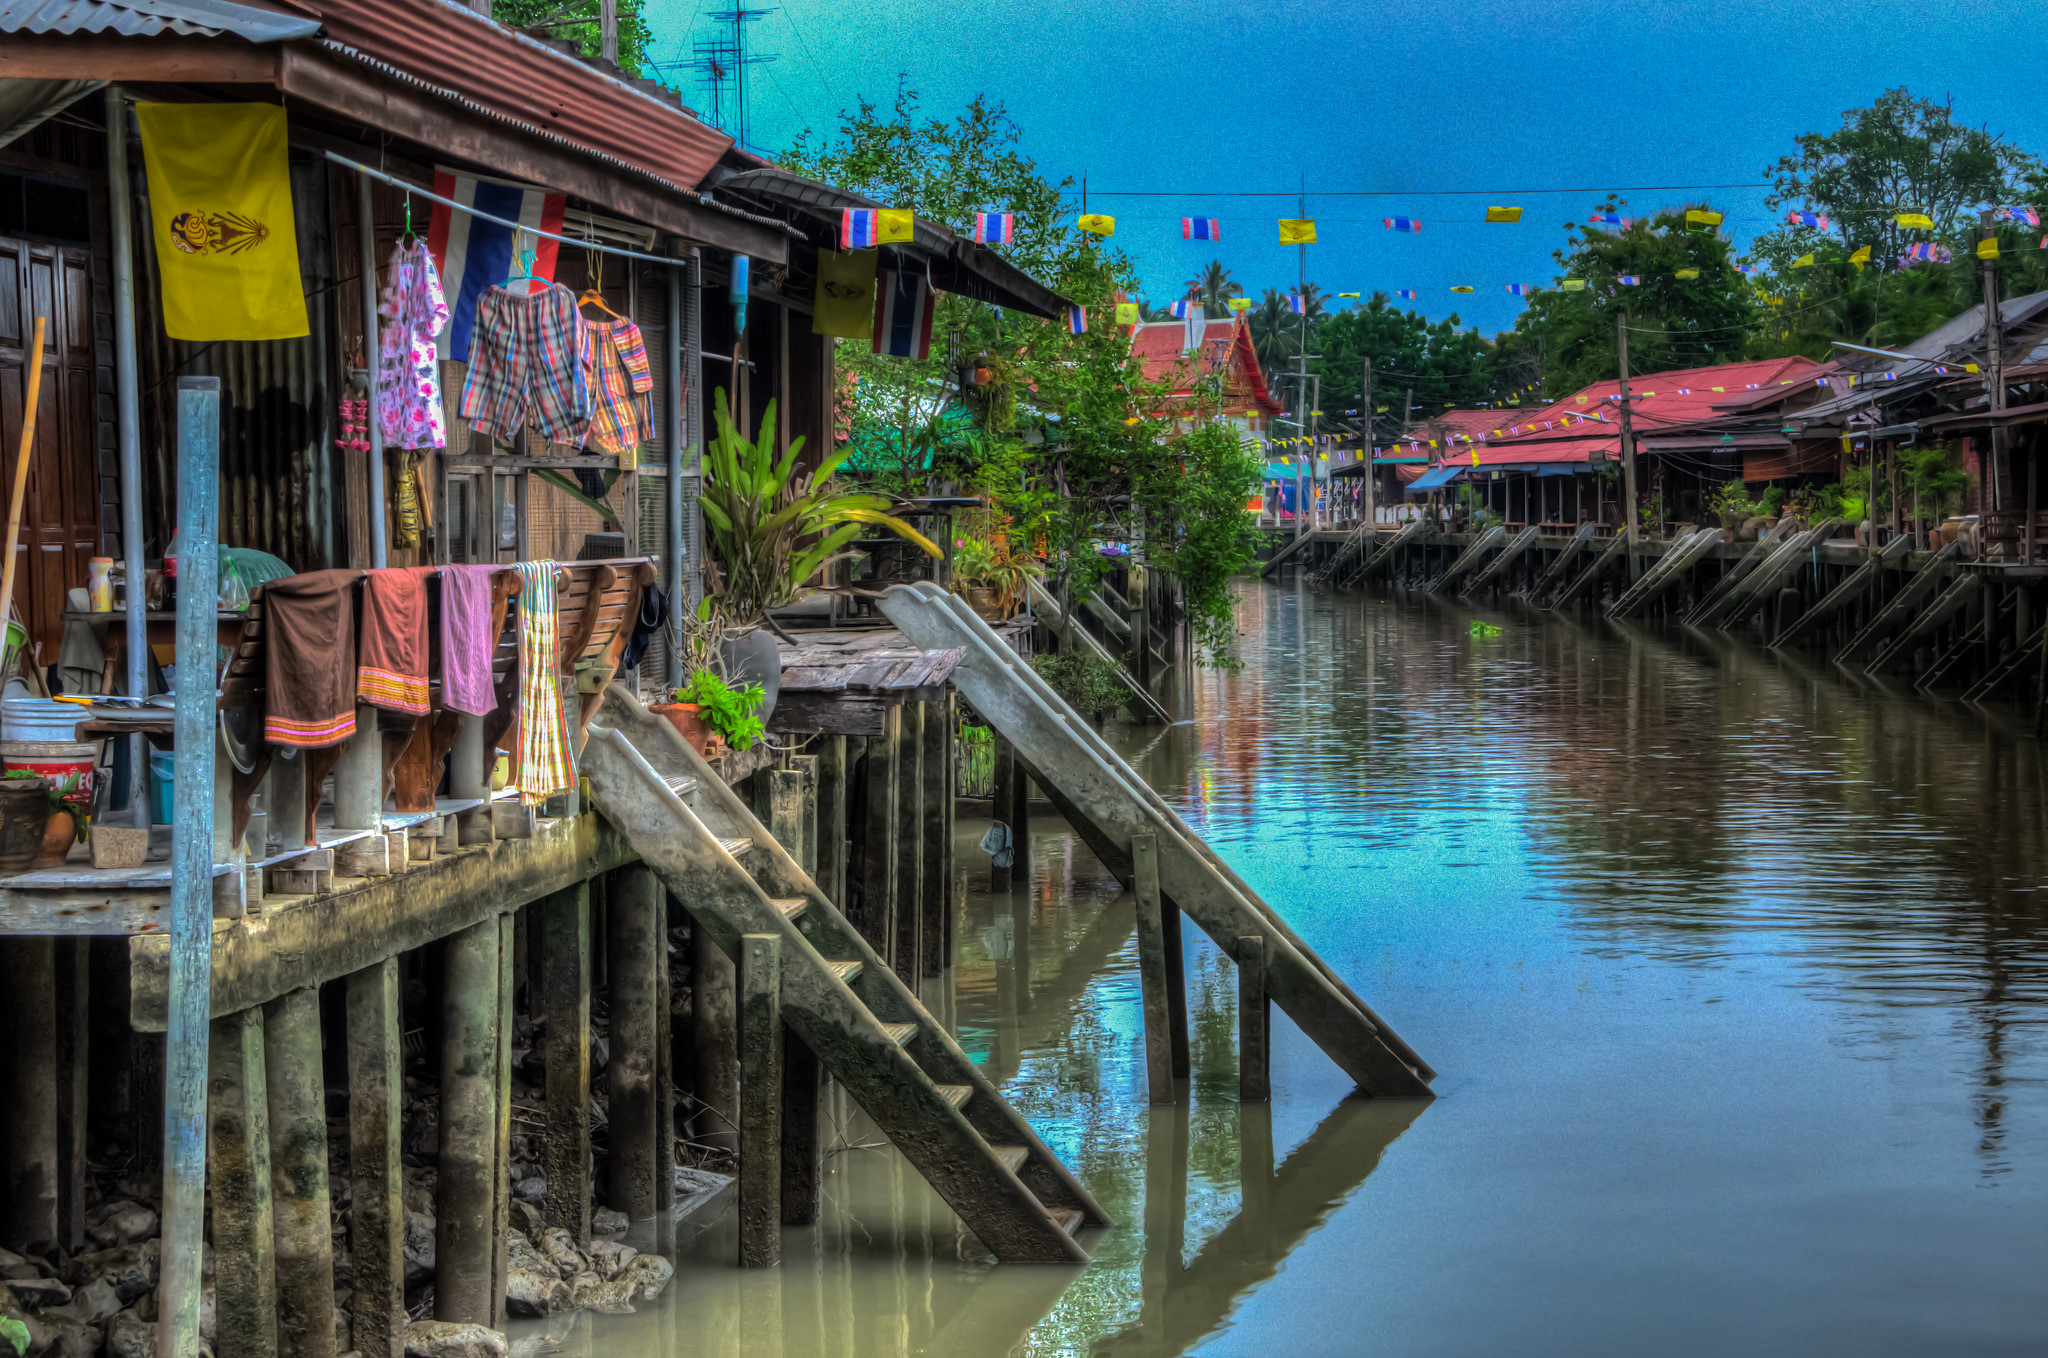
59 527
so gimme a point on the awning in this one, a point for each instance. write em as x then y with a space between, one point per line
147 18
1978 419
1434 480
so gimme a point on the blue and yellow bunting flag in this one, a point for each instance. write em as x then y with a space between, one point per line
1698 217
1407 225
1201 228
1503 214
1915 221
1297 232
1095 224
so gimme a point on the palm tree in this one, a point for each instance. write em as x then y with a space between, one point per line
1214 288
1275 329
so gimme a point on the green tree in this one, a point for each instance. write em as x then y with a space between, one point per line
1214 288
578 22
1435 361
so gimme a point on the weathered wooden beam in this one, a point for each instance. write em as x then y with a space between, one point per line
565 1000
830 714
785 818
1003 808
300 1206
803 1145
466 1197
1176 985
376 1175
760 1100
830 874
1254 1022
908 933
715 1037
936 876
28 1089
638 957
878 838
1152 971
238 1175
328 937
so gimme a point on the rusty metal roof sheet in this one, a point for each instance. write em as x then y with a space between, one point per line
452 47
147 18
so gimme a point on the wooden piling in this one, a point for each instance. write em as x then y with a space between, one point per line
565 1000
936 875
1152 969
28 1091
803 1145
296 1087
831 831
878 834
1003 806
1020 807
71 1053
637 961
466 1199
376 1176
665 912
238 1176
501 1079
760 1100
715 1038
1254 1022
785 817
908 933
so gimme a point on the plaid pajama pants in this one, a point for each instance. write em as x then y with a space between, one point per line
615 365
526 359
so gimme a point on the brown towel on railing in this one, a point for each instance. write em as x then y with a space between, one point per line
391 656
309 658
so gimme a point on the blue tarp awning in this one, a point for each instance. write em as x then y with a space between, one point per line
1433 480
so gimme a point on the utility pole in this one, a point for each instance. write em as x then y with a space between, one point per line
1994 373
1628 455
1371 472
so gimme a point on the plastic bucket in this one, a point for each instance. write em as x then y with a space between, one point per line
67 764
40 719
162 766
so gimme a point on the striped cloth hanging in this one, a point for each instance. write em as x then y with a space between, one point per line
543 766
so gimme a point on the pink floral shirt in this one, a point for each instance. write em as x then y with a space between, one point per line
408 375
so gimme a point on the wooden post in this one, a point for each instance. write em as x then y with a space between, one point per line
1152 970
28 1094
300 1224
1003 808
803 1147
832 798
637 960
909 899
238 1173
1020 829
376 1176
936 876
665 1062
1141 632
1176 988
878 834
801 787
466 1201
501 1078
1254 1019
565 1000
760 1100
71 1051
715 1031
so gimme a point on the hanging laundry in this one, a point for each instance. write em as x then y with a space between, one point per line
391 657
526 360
409 409
466 640
407 508
542 765
616 369
309 689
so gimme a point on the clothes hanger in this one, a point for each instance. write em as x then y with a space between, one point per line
525 274
408 236
594 295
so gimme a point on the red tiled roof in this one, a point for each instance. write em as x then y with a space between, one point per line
1159 346
453 47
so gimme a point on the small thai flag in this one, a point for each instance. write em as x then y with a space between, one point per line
1815 219
1201 228
859 228
1518 289
1407 224
1405 294
1077 320
1920 250
1180 309
1628 280
903 314
1606 219
994 228
1745 268
1294 303
2022 213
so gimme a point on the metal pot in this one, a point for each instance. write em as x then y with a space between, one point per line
755 659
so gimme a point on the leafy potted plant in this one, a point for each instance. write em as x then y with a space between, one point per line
993 585
707 706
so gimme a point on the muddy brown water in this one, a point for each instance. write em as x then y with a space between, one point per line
1735 971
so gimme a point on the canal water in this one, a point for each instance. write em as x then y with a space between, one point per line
1734 971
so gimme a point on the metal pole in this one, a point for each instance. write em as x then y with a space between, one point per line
1994 374
693 419
1628 454
672 424
127 404
366 234
1371 472
191 959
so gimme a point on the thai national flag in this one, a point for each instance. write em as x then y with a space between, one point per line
1518 289
1405 294
1295 303
473 254
994 228
859 229
1817 219
1606 219
2022 213
903 314
1201 228
1628 280
1180 309
1077 320
1407 224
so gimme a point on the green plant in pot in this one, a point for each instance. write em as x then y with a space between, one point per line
729 710
992 586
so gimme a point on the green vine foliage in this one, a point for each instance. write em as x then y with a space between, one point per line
15 1333
732 712
1089 684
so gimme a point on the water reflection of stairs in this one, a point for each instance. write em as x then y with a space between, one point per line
1110 807
845 1004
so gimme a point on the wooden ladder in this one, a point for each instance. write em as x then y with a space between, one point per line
837 995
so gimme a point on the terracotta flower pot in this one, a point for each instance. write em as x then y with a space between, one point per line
24 813
987 604
60 832
688 719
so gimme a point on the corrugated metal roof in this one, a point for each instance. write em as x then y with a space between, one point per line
453 47
147 18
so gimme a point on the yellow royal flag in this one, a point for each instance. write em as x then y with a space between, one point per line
894 225
1503 214
1915 221
1126 313
1988 248
1688 273
1803 262
220 198
1293 232
1096 224
845 304
1573 284
1461 287
1239 304
1860 258
1695 217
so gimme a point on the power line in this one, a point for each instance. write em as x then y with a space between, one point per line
1407 193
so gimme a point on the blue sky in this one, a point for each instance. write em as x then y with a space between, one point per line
1202 97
